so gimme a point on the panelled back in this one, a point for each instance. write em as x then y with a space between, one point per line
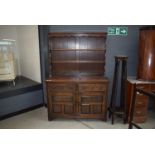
77 54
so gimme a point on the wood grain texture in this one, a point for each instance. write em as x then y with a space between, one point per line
146 65
77 87
141 105
77 97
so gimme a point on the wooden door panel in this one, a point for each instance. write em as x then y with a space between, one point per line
92 102
91 109
57 108
96 109
63 109
85 109
69 98
69 109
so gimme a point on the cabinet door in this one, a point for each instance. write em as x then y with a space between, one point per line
61 99
62 103
92 103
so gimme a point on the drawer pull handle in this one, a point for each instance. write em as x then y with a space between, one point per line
139 93
140 103
86 104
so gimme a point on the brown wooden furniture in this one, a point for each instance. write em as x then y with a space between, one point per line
141 103
77 97
133 104
146 65
119 110
77 87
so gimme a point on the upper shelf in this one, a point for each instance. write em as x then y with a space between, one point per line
77 50
78 34
79 61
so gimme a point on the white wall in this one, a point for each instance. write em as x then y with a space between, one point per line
28 45
26 50
10 32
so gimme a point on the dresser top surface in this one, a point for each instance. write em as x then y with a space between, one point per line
77 79
137 81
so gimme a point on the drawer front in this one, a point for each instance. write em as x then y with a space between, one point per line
92 87
153 87
140 119
143 86
140 111
62 87
140 96
141 103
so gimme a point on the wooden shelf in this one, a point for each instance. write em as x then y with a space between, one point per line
78 61
77 54
78 34
77 50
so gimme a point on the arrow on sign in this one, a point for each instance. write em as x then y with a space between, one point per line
123 31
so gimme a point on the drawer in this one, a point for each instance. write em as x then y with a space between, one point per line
143 86
140 96
140 111
92 87
61 87
141 103
153 87
140 119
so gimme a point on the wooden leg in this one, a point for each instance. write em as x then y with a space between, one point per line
50 118
114 90
109 109
123 88
132 108
113 118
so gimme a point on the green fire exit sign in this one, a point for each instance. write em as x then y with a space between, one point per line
121 31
